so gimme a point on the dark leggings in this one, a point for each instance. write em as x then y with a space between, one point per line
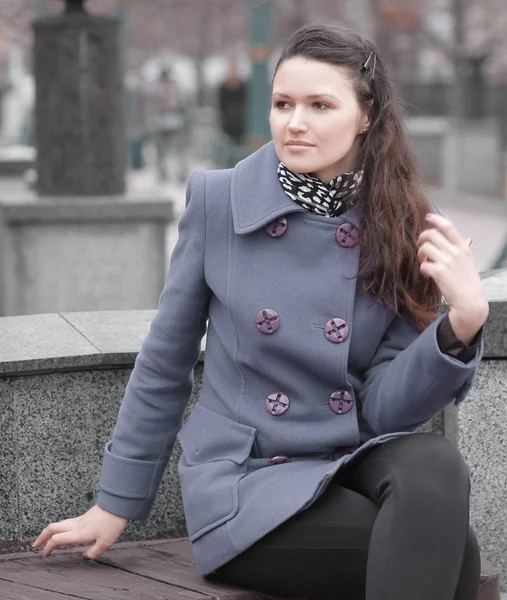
392 525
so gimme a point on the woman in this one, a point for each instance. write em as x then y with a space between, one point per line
321 273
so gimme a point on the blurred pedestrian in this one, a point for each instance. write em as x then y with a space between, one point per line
168 127
232 104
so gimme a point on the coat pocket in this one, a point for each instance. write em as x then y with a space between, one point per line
214 457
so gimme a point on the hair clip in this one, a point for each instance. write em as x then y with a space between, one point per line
365 66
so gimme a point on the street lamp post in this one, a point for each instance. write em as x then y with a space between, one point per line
258 132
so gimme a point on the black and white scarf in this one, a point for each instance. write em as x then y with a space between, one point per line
331 199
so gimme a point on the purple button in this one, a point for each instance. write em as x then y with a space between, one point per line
277 403
267 321
347 235
278 460
341 402
277 228
343 451
336 330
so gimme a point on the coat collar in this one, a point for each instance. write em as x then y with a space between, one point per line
257 198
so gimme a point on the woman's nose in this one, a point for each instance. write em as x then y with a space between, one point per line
297 123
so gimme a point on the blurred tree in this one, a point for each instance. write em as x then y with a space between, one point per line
201 28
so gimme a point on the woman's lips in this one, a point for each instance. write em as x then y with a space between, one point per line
298 146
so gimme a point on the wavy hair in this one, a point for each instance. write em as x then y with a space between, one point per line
391 194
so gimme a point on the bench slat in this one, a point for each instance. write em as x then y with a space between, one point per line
150 570
172 562
17 591
69 574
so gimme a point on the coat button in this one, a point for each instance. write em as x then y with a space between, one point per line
341 402
277 403
347 235
277 228
343 451
267 321
278 460
336 330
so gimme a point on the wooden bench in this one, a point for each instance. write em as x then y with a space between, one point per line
159 570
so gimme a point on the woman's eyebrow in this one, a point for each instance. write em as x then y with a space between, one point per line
310 97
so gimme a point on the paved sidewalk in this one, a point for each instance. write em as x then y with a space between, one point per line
483 219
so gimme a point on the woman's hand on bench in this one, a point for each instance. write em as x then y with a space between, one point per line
96 525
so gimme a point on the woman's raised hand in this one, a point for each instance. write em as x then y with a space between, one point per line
445 257
95 526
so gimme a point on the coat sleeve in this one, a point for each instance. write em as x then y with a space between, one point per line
409 379
161 382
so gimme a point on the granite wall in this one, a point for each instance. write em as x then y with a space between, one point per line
62 378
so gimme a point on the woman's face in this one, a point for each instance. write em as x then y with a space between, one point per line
316 120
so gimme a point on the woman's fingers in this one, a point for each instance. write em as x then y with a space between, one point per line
429 251
96 550
446 227
434 236
67 538
52 529
97 526
430 269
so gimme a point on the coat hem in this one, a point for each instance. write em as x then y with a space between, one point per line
216 547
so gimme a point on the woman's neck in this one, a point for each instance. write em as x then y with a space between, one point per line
327 175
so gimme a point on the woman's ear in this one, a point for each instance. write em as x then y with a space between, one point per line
366 121
364 124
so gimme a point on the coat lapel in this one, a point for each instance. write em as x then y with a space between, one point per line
257 198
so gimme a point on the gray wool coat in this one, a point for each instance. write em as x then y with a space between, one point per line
299 365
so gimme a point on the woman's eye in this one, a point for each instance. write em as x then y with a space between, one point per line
320 106
280 104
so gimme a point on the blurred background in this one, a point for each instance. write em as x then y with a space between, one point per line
195 79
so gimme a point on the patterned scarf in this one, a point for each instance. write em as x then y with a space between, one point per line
331 199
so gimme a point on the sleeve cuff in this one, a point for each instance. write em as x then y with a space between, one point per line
455 366
450 345
127 508
126 486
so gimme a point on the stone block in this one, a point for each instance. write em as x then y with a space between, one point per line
57 421
8 465
104 267
452 157
482 422
479 144
113 258
66 419
55 448
495 331
79 105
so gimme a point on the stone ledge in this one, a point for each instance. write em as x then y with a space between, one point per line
73 341
27 209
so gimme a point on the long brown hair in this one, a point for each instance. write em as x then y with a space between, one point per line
391 194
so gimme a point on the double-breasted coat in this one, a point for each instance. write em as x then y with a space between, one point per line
303 371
